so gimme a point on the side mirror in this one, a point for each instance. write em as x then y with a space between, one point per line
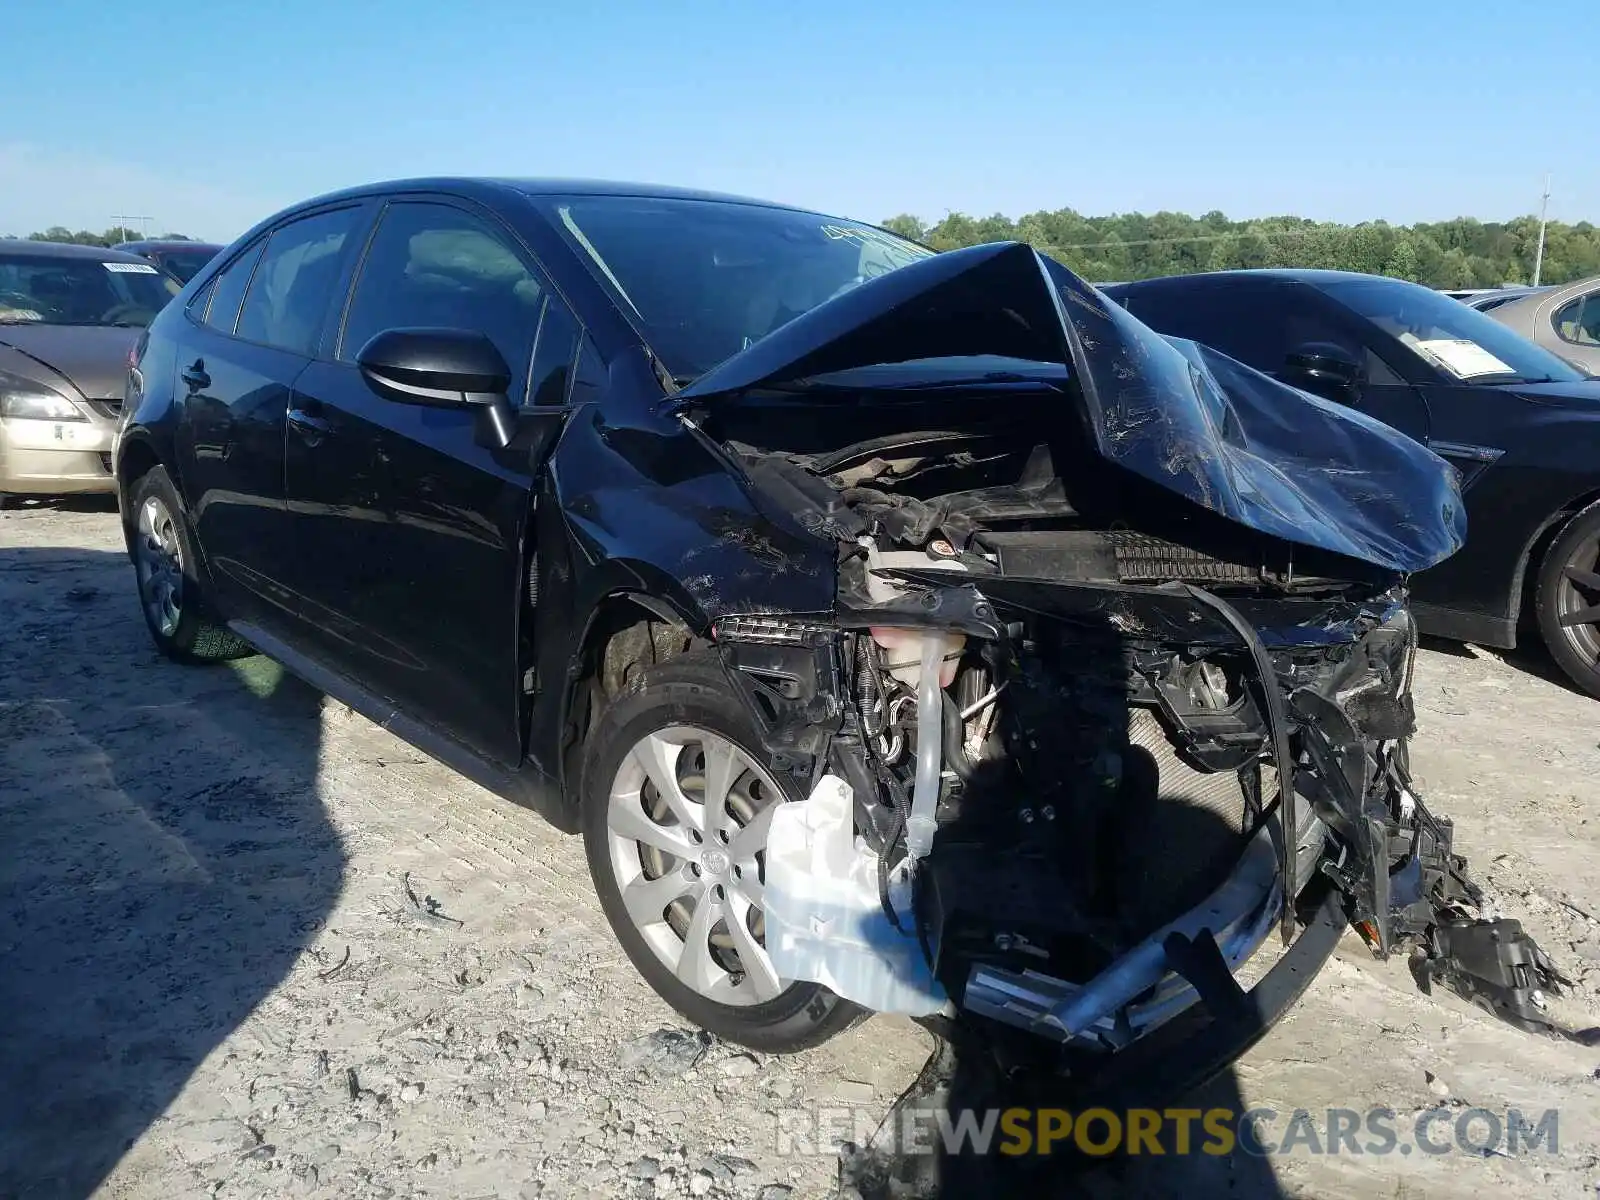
441 368
1325 370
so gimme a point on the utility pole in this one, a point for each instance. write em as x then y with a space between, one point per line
122 225
1544 207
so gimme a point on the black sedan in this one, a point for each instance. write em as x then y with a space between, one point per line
838 591
1521 424
178 257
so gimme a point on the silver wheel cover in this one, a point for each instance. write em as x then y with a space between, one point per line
686 836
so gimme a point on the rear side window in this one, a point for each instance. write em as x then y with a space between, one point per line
289 295
1578 321
228 288
433 265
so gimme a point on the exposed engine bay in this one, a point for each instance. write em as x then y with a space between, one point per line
1065 737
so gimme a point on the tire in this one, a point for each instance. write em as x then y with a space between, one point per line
166 566
1568 600
676 717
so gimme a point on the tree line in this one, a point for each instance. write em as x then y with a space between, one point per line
114 236
1463 253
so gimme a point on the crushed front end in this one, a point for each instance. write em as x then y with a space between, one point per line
1117 683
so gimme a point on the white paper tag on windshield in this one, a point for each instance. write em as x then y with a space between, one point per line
131 268
1463 359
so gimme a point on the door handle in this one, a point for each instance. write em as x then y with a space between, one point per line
195 375
313 426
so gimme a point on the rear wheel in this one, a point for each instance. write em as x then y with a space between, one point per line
170 592
677 799
1569 600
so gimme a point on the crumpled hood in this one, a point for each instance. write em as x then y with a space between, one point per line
1182 416
92 358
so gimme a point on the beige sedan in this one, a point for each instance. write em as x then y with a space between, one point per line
69 317
1564 320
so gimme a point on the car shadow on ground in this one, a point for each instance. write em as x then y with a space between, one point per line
92 502
1130 862
955 1088
1530 657
164 861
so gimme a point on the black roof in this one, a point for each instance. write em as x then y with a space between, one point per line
167 244
537 187
26 247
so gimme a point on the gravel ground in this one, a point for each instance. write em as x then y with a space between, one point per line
254 945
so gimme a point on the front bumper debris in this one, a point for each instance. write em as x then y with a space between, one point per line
1182 961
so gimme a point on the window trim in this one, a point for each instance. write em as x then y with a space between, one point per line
198 312
264 241
257 248
1583 300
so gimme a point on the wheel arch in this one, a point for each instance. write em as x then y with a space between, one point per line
1526 580
136 458
626 630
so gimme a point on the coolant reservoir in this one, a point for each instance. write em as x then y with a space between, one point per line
902 648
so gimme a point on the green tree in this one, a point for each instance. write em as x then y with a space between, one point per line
1463 252
1402 262
907 226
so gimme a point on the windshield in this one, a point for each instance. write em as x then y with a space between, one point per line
1456 339
703 279
48 290
184 265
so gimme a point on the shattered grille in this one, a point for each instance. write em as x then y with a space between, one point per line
1142 558
1192 840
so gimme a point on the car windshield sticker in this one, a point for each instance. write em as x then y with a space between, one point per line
131 268
1463 359
19 314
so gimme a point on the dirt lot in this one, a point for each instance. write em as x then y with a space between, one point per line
254 945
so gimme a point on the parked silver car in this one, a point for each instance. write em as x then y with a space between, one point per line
1564 320
69 316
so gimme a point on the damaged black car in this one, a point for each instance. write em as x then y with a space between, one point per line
904 632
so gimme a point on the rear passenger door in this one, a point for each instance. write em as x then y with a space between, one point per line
409 532
250 333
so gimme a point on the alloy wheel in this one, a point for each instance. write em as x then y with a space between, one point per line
686 824
158 557
1578 600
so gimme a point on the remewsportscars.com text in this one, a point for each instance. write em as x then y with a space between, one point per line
1260 1132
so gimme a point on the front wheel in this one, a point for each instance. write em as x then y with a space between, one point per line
1569 600
678 796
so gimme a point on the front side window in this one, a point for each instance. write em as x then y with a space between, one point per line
37 289
432 265
702 279
1458 341
299 270
1578 321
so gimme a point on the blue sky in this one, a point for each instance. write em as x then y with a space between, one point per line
208 117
